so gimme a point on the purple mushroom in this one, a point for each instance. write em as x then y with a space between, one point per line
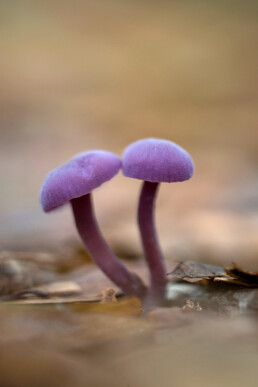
74 181
154 161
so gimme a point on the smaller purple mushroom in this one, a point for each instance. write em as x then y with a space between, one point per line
73 182
154 161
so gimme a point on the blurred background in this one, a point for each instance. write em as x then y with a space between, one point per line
78 75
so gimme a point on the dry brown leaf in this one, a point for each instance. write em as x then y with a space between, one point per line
191 271
194 272
236 271
61 288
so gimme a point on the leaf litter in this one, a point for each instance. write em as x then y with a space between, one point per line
194 272
76 328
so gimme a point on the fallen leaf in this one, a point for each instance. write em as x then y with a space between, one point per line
191 271
194 272
242 274
61 288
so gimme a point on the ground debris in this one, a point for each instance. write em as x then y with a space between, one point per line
56 262
191 271
24 274
195 272
39 277
60 288
191 306
108 295
17 275
236 271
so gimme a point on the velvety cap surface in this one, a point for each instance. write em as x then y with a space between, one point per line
77 177
157 160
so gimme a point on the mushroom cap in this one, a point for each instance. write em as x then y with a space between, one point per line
157 161
77 177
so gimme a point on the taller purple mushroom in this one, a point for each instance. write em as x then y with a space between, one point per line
154 161
73 182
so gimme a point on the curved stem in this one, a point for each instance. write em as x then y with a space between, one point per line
149 238
99 250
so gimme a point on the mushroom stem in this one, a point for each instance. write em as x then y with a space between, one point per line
149 239
99 250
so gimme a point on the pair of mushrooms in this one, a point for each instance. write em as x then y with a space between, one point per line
151 160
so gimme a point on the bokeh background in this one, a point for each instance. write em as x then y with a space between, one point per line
77 75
